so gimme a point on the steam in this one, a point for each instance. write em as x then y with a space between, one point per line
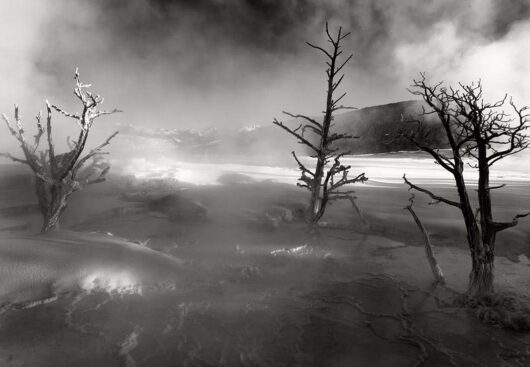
20 26
208 63
499 64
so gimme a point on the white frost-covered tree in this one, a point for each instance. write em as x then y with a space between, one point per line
57 176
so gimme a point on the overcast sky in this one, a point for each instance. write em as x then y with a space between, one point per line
198 63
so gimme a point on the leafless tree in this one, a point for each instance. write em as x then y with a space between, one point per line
435 267
479 134
57 176
326 181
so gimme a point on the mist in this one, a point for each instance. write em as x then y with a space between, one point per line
209 233
217 64
196 64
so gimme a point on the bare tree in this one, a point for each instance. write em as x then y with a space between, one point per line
325 181
479 135
57 176
435 268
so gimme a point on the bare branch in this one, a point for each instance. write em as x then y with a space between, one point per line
301 166
40 132
337 83
432 195
314 129
435 268
339 136
343 108
442 160
101 113
308 119
493 187
294 133
11 129
338 99
51 151
14 159
100 178
337 70
320 49
63 112
93 152
501 226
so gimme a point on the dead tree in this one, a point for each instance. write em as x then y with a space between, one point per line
435 268
479 135
326 180
57 176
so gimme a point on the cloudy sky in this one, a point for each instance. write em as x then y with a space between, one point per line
199 63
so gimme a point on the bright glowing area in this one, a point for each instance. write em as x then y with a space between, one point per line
380 169
200 173
112 282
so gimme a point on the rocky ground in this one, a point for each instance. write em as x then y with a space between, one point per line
160 273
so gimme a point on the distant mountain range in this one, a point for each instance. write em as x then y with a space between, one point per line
377 127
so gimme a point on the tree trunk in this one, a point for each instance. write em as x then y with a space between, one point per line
315 204
52 199
482 257
481 247
481 277
318 205
51 221
435 268
41 191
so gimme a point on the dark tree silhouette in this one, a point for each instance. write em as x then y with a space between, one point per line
57 176
479 135
326 180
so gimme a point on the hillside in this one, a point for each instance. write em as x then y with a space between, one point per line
378 128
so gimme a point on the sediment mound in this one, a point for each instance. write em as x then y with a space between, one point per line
37 267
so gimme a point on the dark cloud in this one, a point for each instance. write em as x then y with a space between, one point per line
257 25
241 61
507 13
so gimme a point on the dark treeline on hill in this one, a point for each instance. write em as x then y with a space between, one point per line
378 128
